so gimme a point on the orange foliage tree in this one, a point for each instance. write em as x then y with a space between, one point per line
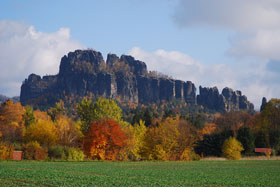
11 123
104 140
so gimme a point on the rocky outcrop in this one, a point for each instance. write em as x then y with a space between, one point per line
4 98
228 100
84 72
264 102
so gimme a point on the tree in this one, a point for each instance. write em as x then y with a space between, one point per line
274 139
262 139
270 116
197 120
136 135
246 137
68 130
211 144
11 121
233 120
28 116
33 151
43 132
58 110
104 140
161 141
232 148
102 109
85 111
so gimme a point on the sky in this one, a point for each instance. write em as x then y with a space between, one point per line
221 43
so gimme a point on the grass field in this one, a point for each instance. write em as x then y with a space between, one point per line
202 173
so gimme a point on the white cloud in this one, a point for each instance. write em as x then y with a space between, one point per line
237 14
253 79
263 43
24 50
256 23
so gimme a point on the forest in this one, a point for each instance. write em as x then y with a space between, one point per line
104 129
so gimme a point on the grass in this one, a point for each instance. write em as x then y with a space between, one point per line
203 173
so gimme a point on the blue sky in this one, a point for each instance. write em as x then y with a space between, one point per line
212 43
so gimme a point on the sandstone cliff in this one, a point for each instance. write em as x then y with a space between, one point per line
84 71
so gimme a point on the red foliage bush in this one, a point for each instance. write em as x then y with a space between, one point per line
33 151
104 140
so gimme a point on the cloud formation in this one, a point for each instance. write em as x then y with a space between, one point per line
255 80
256 23
237 14
24 50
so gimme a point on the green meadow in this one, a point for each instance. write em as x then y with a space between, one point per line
98 173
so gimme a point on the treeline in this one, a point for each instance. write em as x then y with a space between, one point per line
97 130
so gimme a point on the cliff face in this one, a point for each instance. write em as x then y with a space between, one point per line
84 71
228 100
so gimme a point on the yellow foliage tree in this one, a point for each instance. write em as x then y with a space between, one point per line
187 137
68 130
161 142
43 131
6 151
135 141
39 115
232 149
11 123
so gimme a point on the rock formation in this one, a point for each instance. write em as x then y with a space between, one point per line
84 71
228 100
264 102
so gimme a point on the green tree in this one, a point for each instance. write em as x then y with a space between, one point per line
101 109
246 137
85 111
56 111
262 139
270 116
136 136
28 116
274 139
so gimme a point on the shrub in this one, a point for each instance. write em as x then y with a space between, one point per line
73 154
189 155
6 151
33 151
232 148
194 156
66 153
57 152
185 155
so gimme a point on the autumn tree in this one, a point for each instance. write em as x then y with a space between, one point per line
28 116
269 119
104 140
57 110
135 142
102 109
40 115
68 130
232 149
233 120
43 131
211 144
11 121
161 141
187 137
